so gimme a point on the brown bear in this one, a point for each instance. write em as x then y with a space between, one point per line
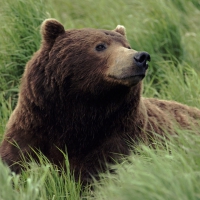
81 93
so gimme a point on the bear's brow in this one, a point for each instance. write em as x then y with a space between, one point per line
117 37
109 33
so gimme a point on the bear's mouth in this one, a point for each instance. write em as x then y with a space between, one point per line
129 80
136 77
133 80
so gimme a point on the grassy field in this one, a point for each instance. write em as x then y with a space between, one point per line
170 32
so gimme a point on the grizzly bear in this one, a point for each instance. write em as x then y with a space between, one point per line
81 94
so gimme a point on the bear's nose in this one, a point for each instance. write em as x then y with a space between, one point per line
141 59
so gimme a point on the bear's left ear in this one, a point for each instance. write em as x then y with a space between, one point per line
120 29
50 30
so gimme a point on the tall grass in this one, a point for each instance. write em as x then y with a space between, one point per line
42 181
20 25
170 32
156 174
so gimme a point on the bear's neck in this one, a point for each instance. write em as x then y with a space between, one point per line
91 120
80 121
118 102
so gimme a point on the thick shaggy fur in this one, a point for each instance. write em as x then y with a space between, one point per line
70 101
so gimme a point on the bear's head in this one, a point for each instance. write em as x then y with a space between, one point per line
90 60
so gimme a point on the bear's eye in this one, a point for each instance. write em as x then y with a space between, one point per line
129 47
100 47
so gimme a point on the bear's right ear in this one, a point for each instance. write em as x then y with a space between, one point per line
50 30
120 29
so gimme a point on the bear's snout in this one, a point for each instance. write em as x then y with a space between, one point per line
129 66
141 59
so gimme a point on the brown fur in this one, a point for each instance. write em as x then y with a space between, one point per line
75 98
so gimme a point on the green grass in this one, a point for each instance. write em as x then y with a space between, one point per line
170 32
42 181
156 174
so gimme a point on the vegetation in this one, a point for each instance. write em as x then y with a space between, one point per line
170 32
